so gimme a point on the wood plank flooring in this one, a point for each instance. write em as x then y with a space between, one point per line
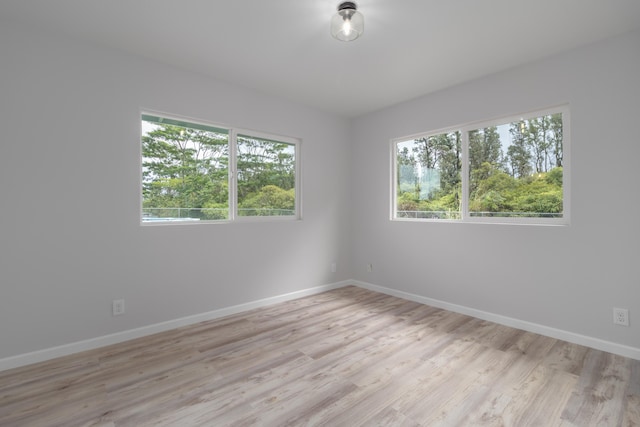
347 357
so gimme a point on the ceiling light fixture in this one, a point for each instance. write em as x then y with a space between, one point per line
348 23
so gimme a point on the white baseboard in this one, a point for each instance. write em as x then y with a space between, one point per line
571 337
93 343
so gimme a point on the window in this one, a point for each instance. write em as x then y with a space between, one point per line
194 172
429 179
510 170
266 177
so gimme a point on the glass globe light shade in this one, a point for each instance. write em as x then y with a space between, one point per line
348 23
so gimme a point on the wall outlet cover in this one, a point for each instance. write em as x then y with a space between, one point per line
621 316
117 307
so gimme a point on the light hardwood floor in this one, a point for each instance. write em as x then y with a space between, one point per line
347 357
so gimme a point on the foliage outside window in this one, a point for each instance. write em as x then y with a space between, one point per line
508 170
194 172
429 176
266 177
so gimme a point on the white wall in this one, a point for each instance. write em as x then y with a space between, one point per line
70 239
567 278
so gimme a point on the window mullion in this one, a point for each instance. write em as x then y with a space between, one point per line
465 174
233 175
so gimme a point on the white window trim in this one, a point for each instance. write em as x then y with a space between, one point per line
464 131
233 132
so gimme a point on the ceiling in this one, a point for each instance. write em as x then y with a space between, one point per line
283 47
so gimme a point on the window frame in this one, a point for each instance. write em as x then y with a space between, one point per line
232 176
296 142
464 130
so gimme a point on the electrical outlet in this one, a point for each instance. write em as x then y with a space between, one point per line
621 316
334 267
369 268
117 307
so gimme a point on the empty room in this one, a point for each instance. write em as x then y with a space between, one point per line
319 212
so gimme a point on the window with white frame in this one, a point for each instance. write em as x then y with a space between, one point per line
508 170
197 172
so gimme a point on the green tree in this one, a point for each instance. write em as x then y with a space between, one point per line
262 162
450 162
484 147
518 155
555 139
183 167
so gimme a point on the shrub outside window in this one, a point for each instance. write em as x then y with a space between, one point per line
511 170
195 172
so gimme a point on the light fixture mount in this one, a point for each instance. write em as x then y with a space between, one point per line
347 5
348 23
